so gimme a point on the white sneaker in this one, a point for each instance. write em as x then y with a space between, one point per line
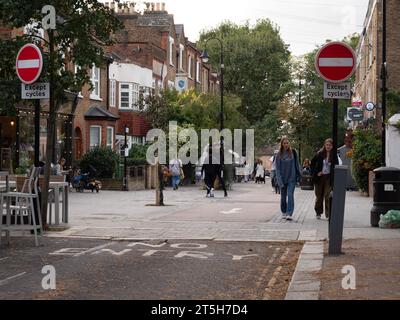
289 218
284 216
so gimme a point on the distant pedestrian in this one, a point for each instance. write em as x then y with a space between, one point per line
274 184
260 172
175 168
288 174
307 167
322 177
211 170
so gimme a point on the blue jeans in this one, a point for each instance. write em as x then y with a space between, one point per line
175 181
287 198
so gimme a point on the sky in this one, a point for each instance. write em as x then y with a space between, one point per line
303 23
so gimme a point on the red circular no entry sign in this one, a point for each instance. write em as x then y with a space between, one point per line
29 63
335 62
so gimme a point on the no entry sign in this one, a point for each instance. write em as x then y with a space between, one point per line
335 62
29 63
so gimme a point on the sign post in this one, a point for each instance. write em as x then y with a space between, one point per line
335 63
29 64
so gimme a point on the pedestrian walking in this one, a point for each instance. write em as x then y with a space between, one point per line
260 172
287 175
322 177
175 168
211 170
274 184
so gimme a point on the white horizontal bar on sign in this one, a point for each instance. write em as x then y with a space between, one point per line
27 64
336 62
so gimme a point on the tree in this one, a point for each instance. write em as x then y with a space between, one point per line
256 64
83 29
191 109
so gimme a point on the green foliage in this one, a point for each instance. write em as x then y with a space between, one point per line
83 29
137 155
256 64
366 155
393 103
103 159
192 109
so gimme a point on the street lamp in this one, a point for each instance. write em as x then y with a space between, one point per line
205 58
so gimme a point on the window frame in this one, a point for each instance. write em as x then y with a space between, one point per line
190 67
112 137
93 94
92 146
133 97
171 51
113 93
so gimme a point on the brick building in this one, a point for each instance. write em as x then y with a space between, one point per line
369 55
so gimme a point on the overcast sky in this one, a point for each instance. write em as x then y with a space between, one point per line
303 23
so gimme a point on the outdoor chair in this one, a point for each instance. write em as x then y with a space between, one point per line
19 205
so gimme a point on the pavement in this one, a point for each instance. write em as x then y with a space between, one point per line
250 215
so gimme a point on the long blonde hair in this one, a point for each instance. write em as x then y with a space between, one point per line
282 149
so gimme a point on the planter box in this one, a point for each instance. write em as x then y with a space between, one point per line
112 184
134 184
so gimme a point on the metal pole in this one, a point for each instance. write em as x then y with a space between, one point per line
17 138
383 76
334 135
300 127
222 106
37 132
125 169
336 220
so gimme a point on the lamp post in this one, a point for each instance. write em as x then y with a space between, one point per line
205 57
125 156
383 78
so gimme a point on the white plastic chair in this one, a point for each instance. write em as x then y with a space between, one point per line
22 205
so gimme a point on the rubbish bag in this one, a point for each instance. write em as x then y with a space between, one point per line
390 220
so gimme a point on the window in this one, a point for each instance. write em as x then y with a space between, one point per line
129 94
110 137
198 65
171 51
95 94
181 52
190 67
113 92
95 136
138 140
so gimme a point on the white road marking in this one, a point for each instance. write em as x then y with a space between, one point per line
233 211
5 281
2 259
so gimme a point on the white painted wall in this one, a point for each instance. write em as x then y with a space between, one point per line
393 143
128 72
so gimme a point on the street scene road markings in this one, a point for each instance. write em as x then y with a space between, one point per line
2 259
5 281
233 211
